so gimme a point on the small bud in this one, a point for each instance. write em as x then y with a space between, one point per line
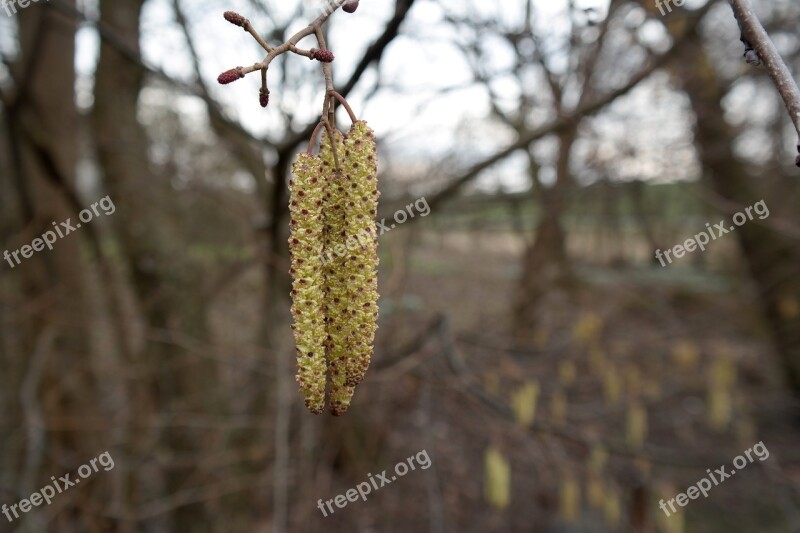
230 76
235 18
263 97
326 56
751 56
350 6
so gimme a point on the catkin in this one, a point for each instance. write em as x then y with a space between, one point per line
306 247
337 301
361 263
334 266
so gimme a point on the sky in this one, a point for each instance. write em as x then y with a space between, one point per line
428 111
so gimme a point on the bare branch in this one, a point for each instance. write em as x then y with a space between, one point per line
757 36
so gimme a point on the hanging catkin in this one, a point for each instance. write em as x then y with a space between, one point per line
337 300
361 174
306 247
337 287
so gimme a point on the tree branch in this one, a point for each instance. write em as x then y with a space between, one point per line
757 36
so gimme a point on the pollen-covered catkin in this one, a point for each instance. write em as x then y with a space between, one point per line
306 247
337 300
333 245
360 170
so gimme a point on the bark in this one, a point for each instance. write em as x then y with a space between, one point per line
50 364
164 282
545 263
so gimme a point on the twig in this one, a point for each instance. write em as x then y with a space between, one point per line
755 35
345 104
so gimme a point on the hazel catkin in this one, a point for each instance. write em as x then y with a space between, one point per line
337 301
361 262
306 246
334 265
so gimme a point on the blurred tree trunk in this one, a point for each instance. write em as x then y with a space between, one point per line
545 263
772 258
54 331
165 283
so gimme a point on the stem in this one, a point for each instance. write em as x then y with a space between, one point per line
313 139
346 106
781 77
248 27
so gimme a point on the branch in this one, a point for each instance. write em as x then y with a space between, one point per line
755 35
529 137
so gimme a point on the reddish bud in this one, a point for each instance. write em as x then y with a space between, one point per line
350 6
234 18
230 76
326 56
263 97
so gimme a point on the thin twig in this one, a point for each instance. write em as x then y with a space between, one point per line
757 36
346 105
313 139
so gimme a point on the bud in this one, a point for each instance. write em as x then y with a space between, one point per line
235 18
326 56
350 6
752 58
263 97
230 76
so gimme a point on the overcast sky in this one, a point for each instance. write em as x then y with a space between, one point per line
417 122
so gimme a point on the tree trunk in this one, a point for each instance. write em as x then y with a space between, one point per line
545 263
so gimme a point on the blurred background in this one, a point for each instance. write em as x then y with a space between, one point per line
531 343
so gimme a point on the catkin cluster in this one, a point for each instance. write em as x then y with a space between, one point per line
333 246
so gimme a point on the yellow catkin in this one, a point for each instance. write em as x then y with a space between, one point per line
570 499
558 409
612 508
612 386
685 355
567 372
588 328
360 169
721 379
306 247
333 243
497 485
636 426
337 300
595 491
523 401
598 458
